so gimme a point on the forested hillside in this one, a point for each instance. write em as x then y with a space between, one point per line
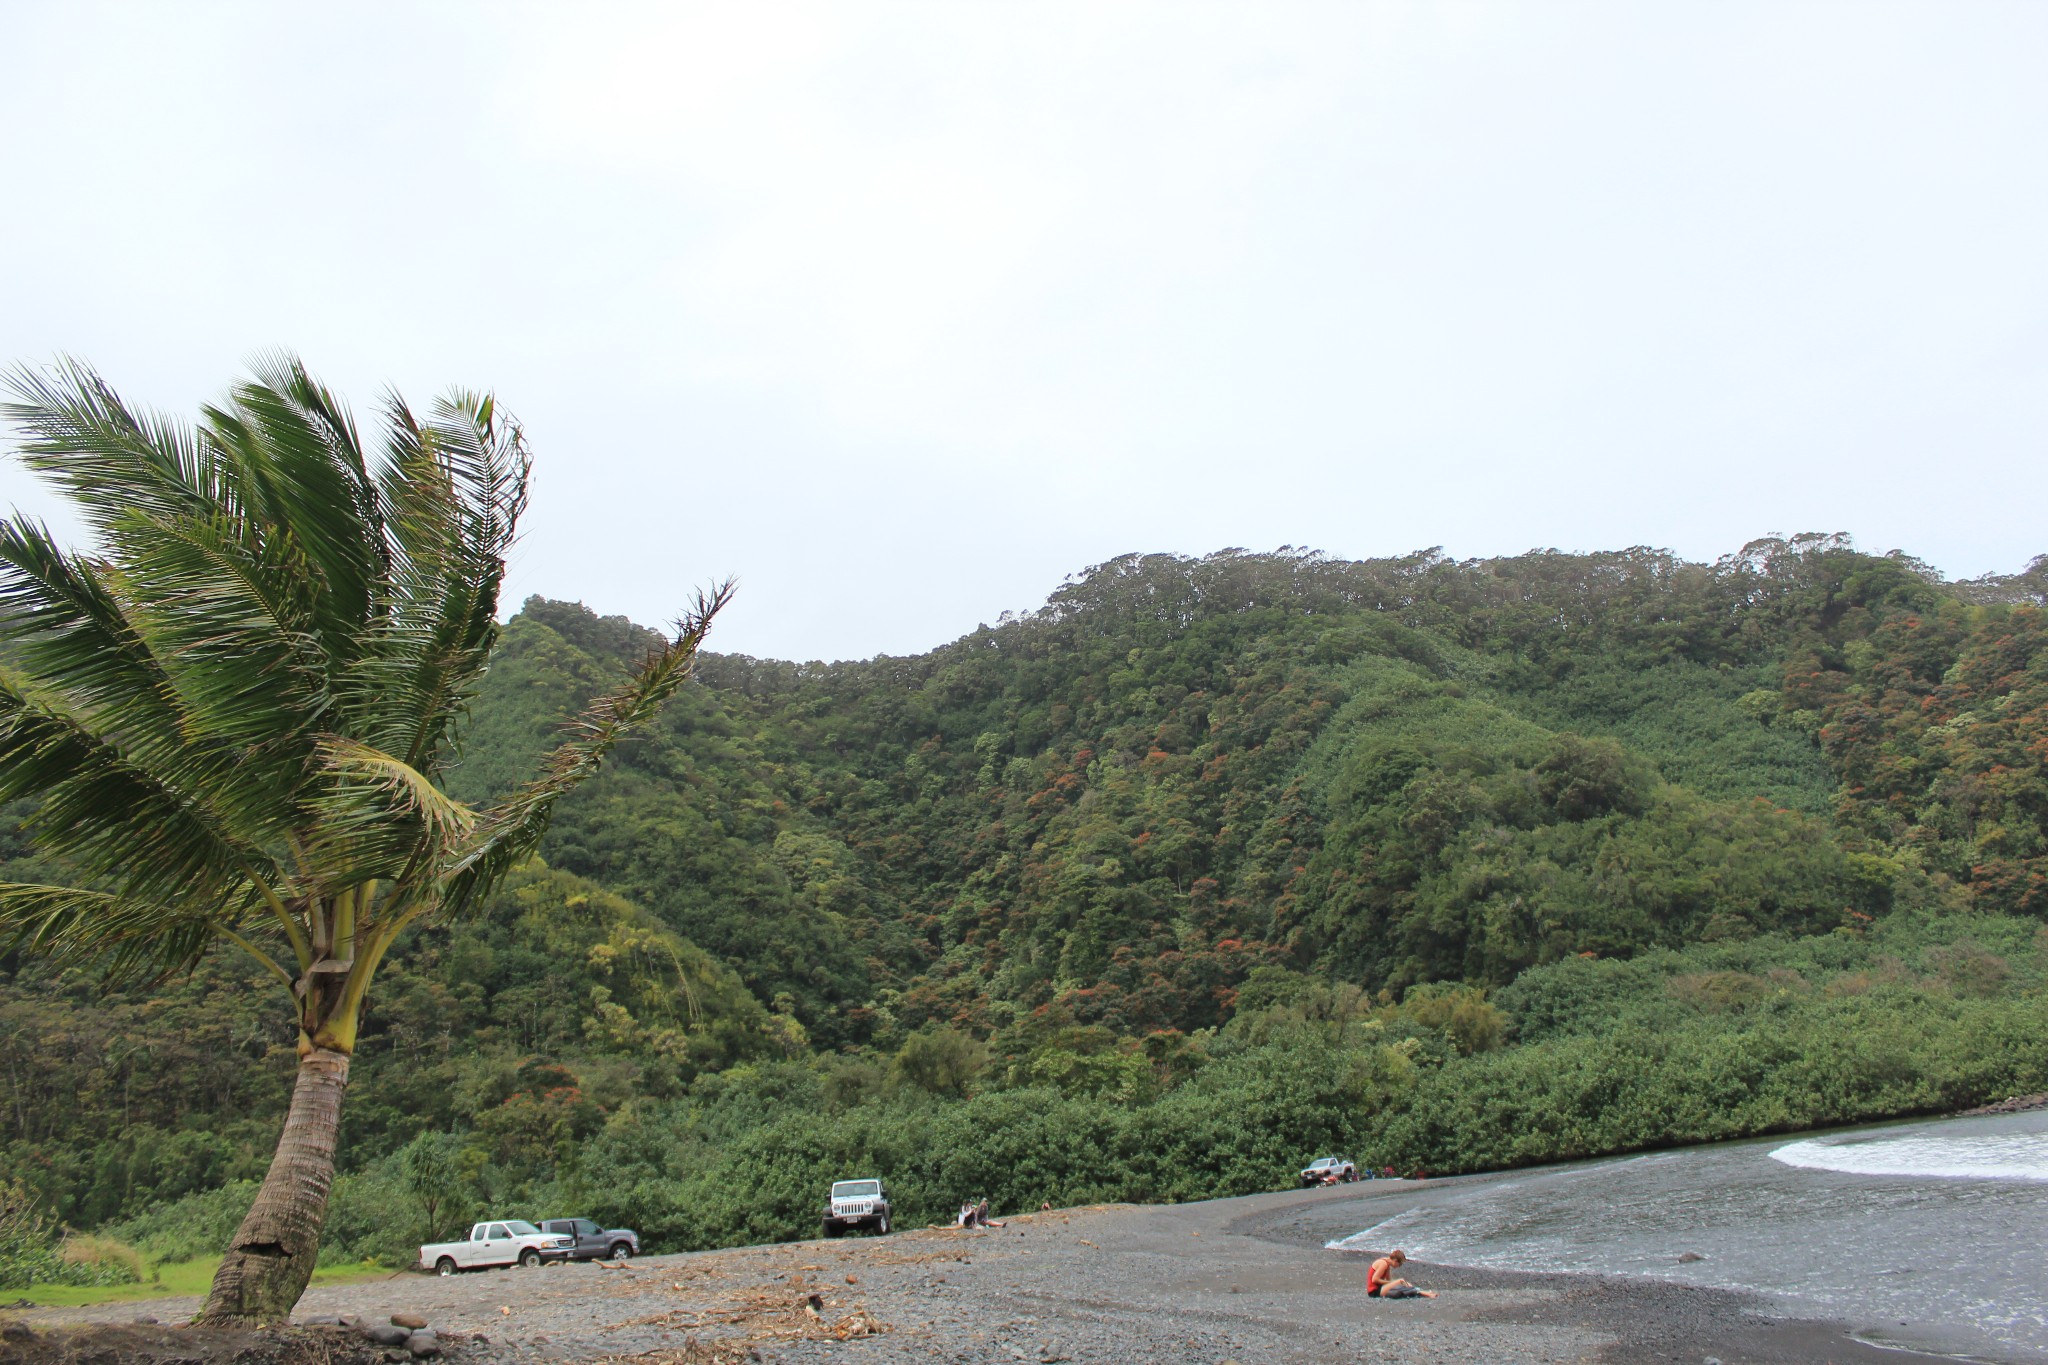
1148 892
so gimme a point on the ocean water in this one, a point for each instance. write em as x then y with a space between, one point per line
1906 1231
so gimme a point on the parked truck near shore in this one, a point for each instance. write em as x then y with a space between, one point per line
503 1241
592 1241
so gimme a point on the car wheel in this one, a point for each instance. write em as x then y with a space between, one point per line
445 1266
621 1250
529 1258
827 1230
883 1226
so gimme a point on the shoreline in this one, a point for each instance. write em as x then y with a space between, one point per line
1246 1279
1646 1318
2017 1104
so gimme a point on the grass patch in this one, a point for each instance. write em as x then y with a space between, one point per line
172 1280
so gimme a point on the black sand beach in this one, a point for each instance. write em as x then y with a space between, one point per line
1246 1280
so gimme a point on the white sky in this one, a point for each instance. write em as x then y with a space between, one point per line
903 312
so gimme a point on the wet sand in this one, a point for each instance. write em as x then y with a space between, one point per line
1246 1280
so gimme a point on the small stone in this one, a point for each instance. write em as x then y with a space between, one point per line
1711 1360
412 1321
853 1279
387 1336
423 1344
1689 1257
144 1322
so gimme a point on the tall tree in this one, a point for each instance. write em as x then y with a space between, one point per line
234 711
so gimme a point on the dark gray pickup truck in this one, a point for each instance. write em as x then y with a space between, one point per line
594 1243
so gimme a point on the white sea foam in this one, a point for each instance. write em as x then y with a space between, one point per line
1980 1156
1359 1240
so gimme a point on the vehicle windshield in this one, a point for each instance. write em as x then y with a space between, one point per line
520 1229
856 1189
1323 1161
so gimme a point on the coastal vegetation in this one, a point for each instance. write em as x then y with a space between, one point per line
1205 868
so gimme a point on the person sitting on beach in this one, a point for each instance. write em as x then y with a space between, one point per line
981 1216
965 1218
1381 1284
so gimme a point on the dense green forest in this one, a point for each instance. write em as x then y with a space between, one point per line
1157 892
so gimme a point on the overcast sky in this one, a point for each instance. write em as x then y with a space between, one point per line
903 312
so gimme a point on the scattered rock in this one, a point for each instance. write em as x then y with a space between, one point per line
853 1279
2018 1104
414 1321
1689 1257
388 1336
423 1344
16 1331
144 1321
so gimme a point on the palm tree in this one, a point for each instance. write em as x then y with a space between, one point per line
234 713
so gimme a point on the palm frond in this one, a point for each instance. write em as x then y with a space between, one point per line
112 460
303 477
509 833
105 813
69 630
126 938
233 627
452 493
379 817
65 625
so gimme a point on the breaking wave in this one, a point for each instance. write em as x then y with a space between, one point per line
1987 1156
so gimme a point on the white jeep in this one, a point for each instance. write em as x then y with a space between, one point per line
856 1204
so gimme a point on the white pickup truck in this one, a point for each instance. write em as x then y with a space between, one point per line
507 1241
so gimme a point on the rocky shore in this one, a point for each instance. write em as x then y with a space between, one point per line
1246 1280
2018 1104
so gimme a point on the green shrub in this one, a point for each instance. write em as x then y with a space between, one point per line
31 1252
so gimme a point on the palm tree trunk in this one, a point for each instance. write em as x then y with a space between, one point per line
271 1259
